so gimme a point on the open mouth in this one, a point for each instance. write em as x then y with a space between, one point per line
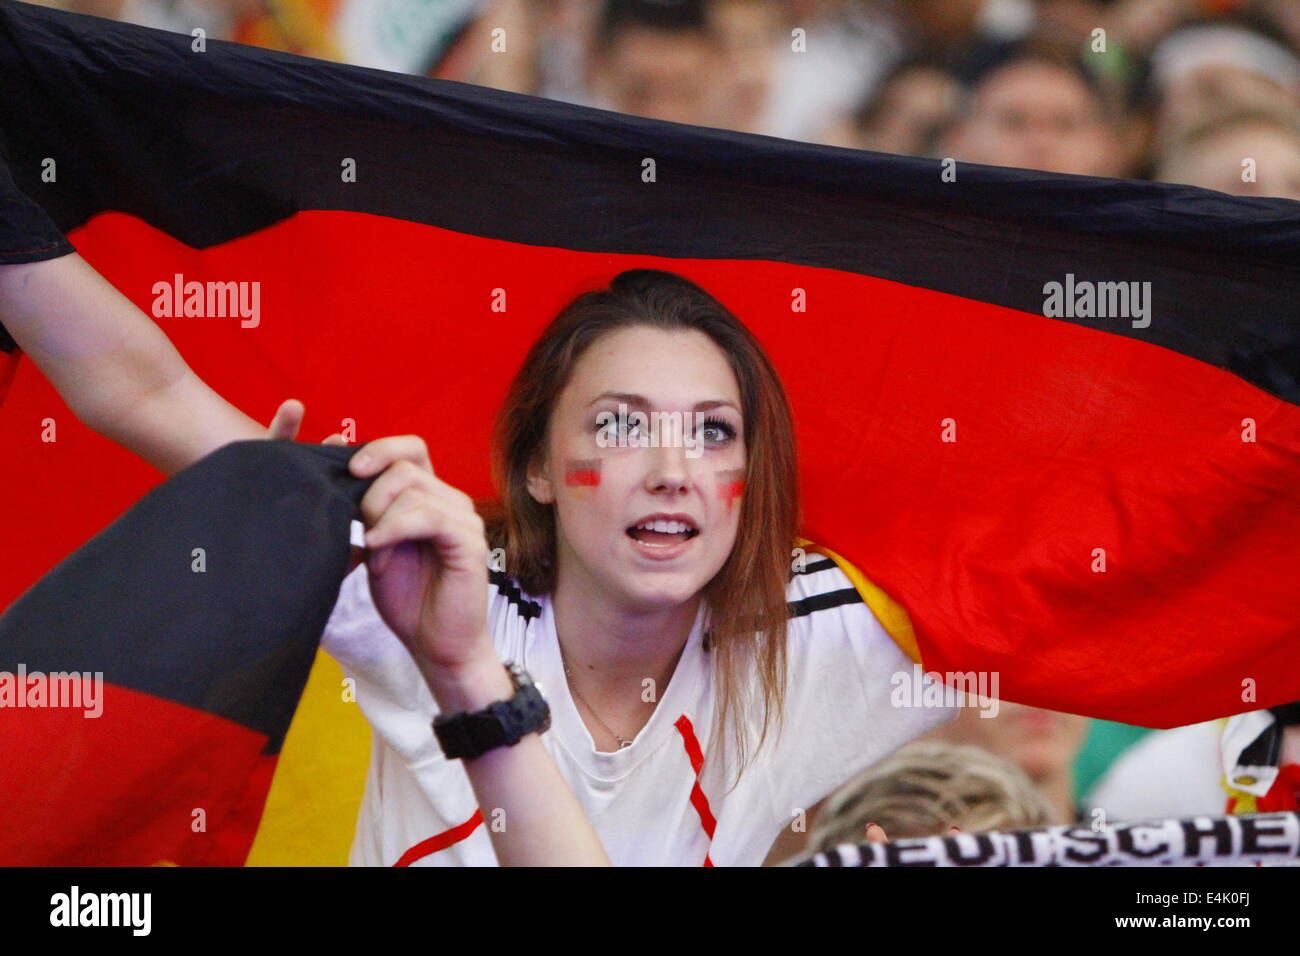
661 533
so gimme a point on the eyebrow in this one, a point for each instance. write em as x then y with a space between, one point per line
641 401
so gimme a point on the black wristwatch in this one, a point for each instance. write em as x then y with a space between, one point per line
467 735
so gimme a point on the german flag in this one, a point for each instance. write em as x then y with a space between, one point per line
149 680
1051 419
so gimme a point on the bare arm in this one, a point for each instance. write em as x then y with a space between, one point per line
116 369
427 567
543 823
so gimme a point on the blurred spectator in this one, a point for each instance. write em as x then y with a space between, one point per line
964 36
1204 72
656 59
925 789
1042 743
830 57
1037 112
565 29
916 102
750 36
1254 153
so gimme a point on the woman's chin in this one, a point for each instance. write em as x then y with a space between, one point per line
660 591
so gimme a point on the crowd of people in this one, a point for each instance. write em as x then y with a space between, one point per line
1198 92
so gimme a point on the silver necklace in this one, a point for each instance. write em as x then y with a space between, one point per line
623 742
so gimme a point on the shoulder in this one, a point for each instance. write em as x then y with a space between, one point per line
833 621
507 596
819 584
842 713
512 612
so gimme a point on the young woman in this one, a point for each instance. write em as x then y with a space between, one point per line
706 684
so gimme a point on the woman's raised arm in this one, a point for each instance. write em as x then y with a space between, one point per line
427 565
116 369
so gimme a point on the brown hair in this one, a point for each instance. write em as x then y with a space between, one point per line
747 597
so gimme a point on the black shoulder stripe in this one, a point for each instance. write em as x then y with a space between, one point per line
1265 750
824 564
506 585
821 602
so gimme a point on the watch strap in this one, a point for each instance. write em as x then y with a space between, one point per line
470 734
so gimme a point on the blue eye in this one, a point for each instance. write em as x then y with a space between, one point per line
633 430
722 430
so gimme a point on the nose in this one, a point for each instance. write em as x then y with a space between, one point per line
668 472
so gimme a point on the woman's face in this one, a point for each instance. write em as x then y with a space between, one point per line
687 484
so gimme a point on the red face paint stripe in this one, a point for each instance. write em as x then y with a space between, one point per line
582 472
731 485
698 799
441 841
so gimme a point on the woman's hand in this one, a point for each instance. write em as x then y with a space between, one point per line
287 421
427 556
429 581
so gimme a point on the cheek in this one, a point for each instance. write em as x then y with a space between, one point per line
585 498
582 474
730 485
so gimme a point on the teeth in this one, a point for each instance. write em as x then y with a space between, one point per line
667 527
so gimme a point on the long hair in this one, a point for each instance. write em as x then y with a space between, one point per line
746 599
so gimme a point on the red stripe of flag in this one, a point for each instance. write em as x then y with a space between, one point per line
202 778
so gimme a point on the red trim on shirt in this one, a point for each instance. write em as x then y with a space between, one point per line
701 803
698 799
441 841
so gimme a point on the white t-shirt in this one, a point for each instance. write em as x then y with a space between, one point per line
644 801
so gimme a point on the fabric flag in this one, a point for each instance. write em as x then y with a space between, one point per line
148 681
1052 419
